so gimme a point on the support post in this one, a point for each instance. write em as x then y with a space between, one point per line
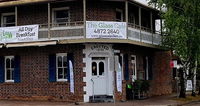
84 17
49 21
126 9
151 22
16 15
140 23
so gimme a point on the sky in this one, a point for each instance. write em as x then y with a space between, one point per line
143 1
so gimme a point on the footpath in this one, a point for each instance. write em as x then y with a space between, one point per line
169 100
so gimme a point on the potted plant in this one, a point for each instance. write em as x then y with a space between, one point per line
140 89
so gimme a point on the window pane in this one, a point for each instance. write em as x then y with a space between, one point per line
60 73
7 63
59 60
9 20
65 61
8 74
94 68
118 16
133 68
62 16
12 63
101 68
65 73
12 73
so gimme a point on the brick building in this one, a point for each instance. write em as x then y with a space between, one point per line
79 49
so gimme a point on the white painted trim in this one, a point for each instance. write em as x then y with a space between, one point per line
62 55
87 69
8 57
67 27
31 44
122 61
6 14
57 9
135 62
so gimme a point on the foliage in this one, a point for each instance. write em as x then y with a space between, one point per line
141 85
182 27
182 30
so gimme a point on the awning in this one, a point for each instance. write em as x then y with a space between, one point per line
40 43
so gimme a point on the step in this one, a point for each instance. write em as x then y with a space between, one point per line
101 98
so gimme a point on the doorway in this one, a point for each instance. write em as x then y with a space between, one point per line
99 75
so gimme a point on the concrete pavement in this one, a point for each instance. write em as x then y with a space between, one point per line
154 101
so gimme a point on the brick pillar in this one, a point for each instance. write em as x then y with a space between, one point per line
162 74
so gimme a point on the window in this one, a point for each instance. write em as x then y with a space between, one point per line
9 69
121 61
94 68
101 68
131 18
61 66
8 19
61 15
133 67
119 15
147 64
98 66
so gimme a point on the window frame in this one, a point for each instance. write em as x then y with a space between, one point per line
7 14
131 18
62 55
134 77
9 57
59 9
122 64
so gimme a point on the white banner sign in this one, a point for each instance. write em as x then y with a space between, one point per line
19 34
189 85
103 29
71 77
119 78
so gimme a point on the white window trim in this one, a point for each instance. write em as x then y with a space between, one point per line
134 61
6 57
122 14
6 14
57 9
59 80
122 65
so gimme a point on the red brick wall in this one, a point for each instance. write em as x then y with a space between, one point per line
103 11
96 11
33 14
34 75
38 13
162 83
162 73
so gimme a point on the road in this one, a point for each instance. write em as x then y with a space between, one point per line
193 104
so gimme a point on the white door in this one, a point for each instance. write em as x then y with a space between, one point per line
99 75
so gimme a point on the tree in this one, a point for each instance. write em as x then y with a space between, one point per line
181 33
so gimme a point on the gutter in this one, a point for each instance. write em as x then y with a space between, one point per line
22 2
